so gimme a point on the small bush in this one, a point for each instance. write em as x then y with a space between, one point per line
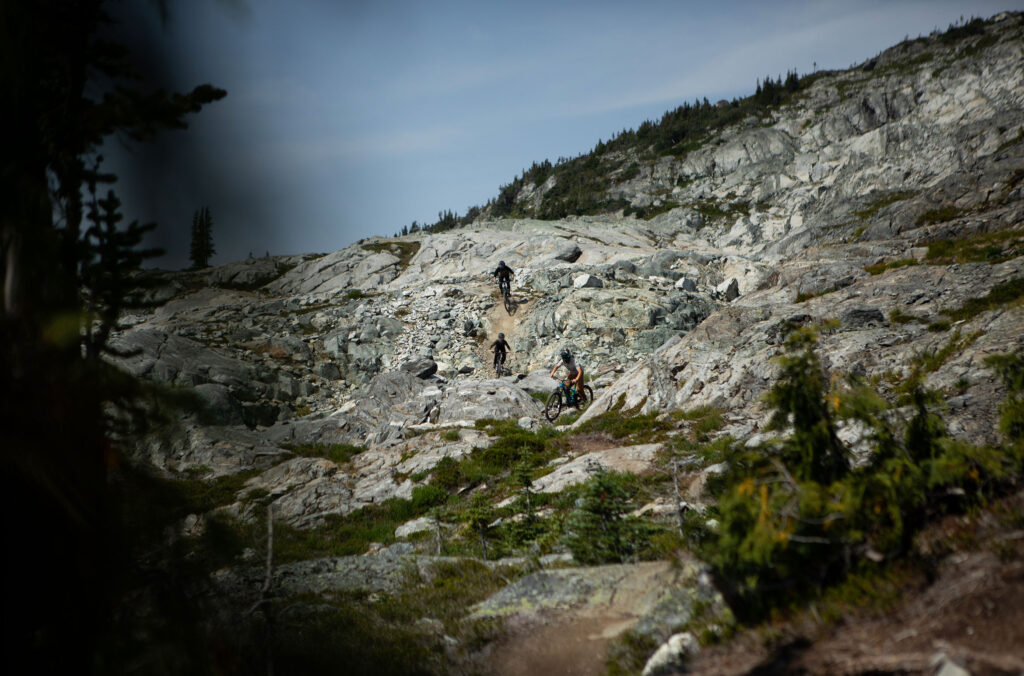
316 638
425 497
629 653
940 215
1011 370
1001 295
794 515
898 316
987 247
628 424
600 530
403 250
349 534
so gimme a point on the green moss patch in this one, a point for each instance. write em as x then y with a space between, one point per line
404 251
986 247
1002 295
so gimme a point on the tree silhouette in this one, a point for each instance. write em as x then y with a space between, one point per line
66 272
202 238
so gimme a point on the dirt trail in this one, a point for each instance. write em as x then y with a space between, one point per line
973 611
501 322
574 640
574 646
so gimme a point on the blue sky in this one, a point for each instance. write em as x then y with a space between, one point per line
350 119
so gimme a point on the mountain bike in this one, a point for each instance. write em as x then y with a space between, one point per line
499 365
505 287
565 396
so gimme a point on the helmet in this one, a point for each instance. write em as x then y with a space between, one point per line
501 335
501 264
565 354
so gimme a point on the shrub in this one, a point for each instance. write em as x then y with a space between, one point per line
898 316
628 424
939 215
425 497
813 451
986 247
599 530
794 517
1001 295
1011 369
317 638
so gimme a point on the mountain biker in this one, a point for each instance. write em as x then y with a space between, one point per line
499 347
503 275
574 372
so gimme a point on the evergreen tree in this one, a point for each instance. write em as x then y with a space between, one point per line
600 530
813 451
202 248
66 273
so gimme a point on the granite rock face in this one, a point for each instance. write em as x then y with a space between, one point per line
375 343
833 213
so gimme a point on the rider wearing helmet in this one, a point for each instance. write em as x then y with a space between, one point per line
499 347
503 275
574 371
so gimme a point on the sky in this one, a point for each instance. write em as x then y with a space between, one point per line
348 119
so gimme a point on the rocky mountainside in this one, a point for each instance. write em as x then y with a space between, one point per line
350 395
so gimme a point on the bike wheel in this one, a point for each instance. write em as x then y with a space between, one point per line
554 406
508 302
499 368
584 401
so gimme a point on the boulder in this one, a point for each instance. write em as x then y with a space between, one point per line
862 318
626 267
217 450
327 370
671 657
587 282
537 382
635 459
498 399
730 289
424 367
568 252
424 523
686 284
282 347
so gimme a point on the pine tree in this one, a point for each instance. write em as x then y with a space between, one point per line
798 398
66 272
202 238
600 530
